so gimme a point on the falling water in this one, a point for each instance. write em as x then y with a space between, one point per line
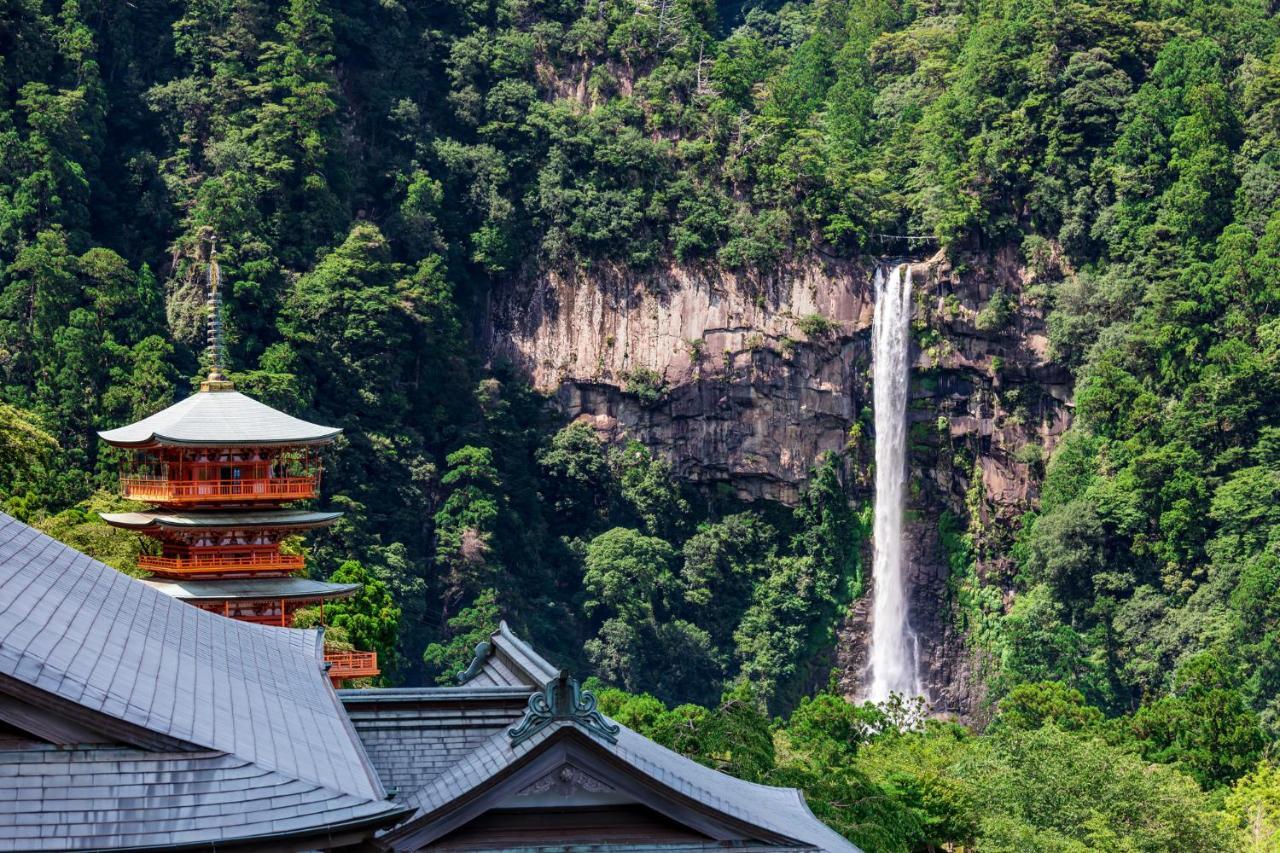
893 643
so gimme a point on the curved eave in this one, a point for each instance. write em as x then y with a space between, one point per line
196 521
263 589
156 440
224 418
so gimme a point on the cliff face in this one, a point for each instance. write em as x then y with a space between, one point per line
710 369
746 381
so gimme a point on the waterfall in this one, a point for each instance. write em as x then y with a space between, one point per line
894 648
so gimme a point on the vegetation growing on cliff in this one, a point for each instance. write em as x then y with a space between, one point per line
371 168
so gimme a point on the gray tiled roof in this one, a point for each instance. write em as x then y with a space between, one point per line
780 810
92 798
413 735
653 847
81 633
510 662
435 745
253 589
242 518
209 418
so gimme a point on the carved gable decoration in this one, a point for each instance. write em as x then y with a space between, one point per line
563 700
566 781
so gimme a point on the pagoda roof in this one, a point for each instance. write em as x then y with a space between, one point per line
253 589
151 519
156 725
219 418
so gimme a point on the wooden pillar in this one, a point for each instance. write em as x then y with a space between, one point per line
283 619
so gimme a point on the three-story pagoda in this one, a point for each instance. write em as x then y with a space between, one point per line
221 470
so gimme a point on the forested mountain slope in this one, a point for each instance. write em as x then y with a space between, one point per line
406 194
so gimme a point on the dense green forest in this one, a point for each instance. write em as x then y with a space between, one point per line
371 169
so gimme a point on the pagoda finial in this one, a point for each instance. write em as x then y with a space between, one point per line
216 381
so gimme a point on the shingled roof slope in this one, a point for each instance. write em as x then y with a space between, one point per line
413 735
109 797
779 810
83 633
505 660
209 418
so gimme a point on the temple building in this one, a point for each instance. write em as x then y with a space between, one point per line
131 721
219 469
517 758
184 712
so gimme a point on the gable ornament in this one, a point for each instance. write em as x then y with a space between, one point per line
483 649
563 700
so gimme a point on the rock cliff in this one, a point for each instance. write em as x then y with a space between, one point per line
746 380
713 370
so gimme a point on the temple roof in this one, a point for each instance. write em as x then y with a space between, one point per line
252 589
448 748
781 812
175 799
505 660
219 418
296 518
185 696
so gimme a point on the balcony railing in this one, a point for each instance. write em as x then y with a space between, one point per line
217 564
344 665
219 491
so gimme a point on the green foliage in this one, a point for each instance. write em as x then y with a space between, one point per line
25 449
1204 726
81 528
1030 706
369 618
628 572
996 314
1253 805
815 326
471 626
1047 790
576 477
649 490
794 609
468 519
648 385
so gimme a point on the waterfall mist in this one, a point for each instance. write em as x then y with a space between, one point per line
894 647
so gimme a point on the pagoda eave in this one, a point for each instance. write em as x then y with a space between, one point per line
263 589
219 418
167 441
176 520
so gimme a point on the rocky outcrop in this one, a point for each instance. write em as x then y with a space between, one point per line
983 379
737 380
746 380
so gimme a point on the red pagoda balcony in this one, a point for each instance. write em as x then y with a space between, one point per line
159 490
344 665
219 564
